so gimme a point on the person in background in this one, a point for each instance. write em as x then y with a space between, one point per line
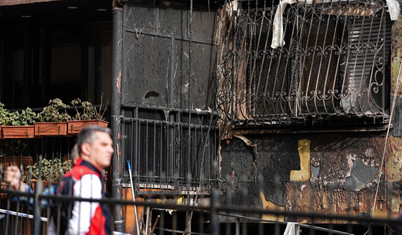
12 174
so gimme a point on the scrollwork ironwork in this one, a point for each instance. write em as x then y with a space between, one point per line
333 62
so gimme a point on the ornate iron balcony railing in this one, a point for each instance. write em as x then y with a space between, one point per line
300 61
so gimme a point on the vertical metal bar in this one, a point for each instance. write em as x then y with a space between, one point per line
174 149
161 174
131 145
18 205
7 220
190 55
174 223
181 152
204 140
37 208
194 158
117 53
154 156
139 149
176 146
214 213
237 226
146 151
162 222
277 228
136 150
172 73
170 147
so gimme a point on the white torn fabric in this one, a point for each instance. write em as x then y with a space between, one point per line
292 229
393 8
277 27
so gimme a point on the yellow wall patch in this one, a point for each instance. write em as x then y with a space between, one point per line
304 153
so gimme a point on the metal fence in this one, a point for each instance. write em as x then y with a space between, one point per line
207 214
170 148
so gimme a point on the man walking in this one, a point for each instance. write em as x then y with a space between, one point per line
94 149
85 180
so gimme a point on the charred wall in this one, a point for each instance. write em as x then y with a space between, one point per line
324 173
168 84
167 62
351 168
166 67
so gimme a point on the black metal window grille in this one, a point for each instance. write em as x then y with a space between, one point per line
168 152
332 63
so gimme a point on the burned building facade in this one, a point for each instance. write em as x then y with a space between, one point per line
287 106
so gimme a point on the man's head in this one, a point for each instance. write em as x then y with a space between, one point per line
95 145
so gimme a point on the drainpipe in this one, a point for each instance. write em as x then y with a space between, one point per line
115 122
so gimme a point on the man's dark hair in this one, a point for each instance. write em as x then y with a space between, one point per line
88 135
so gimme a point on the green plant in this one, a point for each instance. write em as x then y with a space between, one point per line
49 169
54 112
25 118
4 115
88 110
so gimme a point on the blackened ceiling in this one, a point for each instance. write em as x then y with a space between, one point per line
57 12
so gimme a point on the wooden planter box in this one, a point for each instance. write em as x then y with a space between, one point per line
1 133
74 127
18 132
50 128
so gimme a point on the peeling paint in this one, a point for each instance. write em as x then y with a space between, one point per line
245 140
118 82
394 161
360 175
304 153
395 203
315 171
268 205
350 158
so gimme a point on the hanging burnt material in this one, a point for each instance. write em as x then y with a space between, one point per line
304 62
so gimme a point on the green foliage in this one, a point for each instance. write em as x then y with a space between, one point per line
50 169
4 115
25 118
88 110
55 112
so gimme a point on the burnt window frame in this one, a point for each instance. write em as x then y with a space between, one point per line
235 100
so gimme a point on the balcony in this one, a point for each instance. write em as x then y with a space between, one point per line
309 64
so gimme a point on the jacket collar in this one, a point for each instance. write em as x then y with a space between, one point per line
90 166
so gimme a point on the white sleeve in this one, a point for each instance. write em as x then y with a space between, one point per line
88 187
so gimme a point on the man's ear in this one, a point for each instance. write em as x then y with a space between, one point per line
85 148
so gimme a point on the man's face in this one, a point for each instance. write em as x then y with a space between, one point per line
101 150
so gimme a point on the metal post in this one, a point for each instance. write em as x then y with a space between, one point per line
117 52
37 207
214 213
237 226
